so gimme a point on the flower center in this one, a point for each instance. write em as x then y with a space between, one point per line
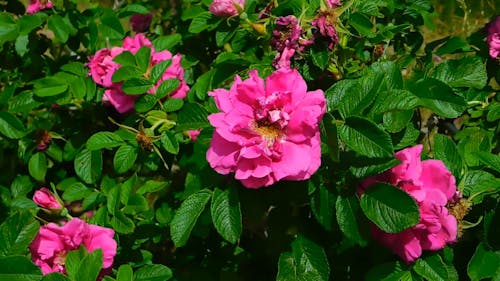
268 131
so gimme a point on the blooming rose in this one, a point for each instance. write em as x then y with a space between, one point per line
36 6
432 186
45 199
102 67
493 38
226 8
268 131
53 242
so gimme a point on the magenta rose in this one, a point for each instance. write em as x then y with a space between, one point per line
45 199
493 38
432 186
133 44
226 8
267 131
53 242
36 6
102 67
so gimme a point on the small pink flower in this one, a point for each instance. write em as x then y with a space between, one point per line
493 38
226 8
332 3
268 131
432 186
102 67
36 6
140 22
45 199
193 134
53 242
133 44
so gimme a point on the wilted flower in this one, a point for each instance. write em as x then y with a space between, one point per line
287 40
226 8
140 22
493 38
36 6
432 186
332 3
268 131
45 199
43 139
325 28
53 242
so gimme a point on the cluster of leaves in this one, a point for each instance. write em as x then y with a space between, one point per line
387 88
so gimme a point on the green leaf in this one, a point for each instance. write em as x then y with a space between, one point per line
159 69
192 116
306 262
432 268
395 100
358 97
90 266
124 158
19 268
56 276
446 151
390 271
348 213
61 30
490 160
396 121
493 112
8 28
323 205
477 184
10 126
125 273
320 58
152 186
167 87
76 68
440 98
72 262
29 22
173 104
125 73
21 186
37 166
132 9
102 140
17 232
153 272
186 216
483 264
166 42
226 213
125 58
364 137
169 142
362 24
143 58
76 191
136 86
88 165
203 83
145 103
122 224
469 71
49 86
389 207
200 22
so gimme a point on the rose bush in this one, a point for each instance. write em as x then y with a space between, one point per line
249 140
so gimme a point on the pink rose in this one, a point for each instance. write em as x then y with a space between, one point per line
493 38
122 102
36 6
102 67
53 242
226 8
45 199
133 44
268 131
432 186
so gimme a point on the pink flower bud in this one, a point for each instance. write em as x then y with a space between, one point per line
493 38
140 22
45 199
226 8
36 6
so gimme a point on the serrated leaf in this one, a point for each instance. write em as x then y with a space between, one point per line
88 165
124 158
432 268
446 151
200 22
395 100
159 69
17 232
90 266
19 268
483 264
364 137
125 73
166 42
169 142
122 224
469 71
61 30
145 103
226 214
37 166
102 140
323 206
166 87
76 191
11 126
125 273
186 216
143 58
49 86
55 276
348 211
389 207
136 86
152 186
153 272
173 104
440 98
192 116
490 160
125 58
